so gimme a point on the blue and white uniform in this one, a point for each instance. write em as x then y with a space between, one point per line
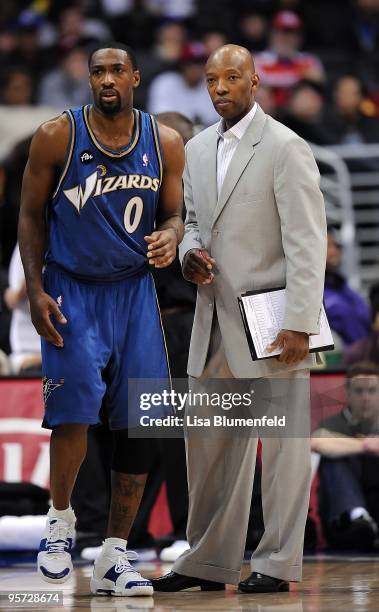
96 269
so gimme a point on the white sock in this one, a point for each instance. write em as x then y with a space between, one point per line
66 515
119 542
359 512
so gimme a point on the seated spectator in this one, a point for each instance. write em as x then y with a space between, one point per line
67 86
283 65
185 91
73 27
25 344
352 118
213 40
305 112
253 31
169 39
348 313
17 88
348 443
367 349
266 99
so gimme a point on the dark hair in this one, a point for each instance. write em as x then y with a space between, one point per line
115 45
362 368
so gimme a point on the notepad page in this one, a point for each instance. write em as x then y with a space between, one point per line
265 316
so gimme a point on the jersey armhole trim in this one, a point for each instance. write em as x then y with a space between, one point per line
69 152
157 146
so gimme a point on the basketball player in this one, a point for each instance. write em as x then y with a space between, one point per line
109 181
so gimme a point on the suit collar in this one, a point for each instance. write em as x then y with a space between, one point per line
238 130
244 152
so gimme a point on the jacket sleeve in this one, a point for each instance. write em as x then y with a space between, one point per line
303 225
191 239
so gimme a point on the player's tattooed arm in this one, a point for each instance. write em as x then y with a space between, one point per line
169 233
46 156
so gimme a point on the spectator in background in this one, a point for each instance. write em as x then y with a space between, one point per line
348 443
67 86
131 22
213 39
172 9
253 31
17 88
72 29
367 349
24 341
364 30
28 52
164 56
352 118
12 169
266 99
348 313
184 91
283 65
304 113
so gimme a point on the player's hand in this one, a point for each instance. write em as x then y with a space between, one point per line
294 345
162 247
42 307
198 267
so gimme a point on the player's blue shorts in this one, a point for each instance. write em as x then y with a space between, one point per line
113 333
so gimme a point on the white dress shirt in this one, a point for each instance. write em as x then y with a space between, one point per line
228 142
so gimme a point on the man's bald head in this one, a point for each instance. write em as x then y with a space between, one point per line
231 82
232 54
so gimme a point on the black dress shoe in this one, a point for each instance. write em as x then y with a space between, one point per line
172 582
259 583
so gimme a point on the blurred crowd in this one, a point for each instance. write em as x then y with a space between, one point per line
319 69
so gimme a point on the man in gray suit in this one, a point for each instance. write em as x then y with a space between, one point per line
255 220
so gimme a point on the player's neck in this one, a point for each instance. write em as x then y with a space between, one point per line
121 122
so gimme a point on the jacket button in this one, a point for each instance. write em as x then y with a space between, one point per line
210 304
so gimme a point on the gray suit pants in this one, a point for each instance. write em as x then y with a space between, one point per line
220 479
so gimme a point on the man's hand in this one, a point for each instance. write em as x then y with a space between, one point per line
162 247
42 306
294 345
13 297
371 445
198 266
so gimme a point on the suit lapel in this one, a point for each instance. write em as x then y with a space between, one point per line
244 153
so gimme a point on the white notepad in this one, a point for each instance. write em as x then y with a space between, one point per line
263 315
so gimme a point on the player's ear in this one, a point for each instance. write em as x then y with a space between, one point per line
255 81
136 78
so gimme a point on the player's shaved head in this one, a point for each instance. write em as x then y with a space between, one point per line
230 54
232 82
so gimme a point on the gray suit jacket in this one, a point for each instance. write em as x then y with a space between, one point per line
266 229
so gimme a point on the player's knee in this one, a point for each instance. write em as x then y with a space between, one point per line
70 429
131 455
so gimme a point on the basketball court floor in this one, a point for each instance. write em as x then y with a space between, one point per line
331 584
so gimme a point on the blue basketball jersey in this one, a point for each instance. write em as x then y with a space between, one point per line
105 201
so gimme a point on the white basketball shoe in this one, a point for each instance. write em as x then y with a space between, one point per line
54 558
114 575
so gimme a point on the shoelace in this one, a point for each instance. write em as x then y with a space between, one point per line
123 562
57 532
